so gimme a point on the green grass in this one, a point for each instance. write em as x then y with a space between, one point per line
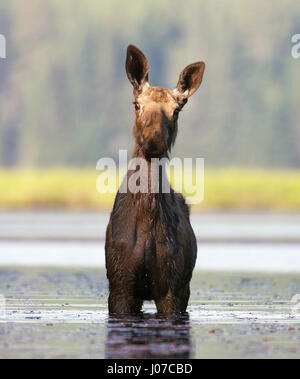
225 189
252 189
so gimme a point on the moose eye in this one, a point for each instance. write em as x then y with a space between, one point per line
136 106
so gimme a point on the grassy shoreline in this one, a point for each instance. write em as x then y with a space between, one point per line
225 189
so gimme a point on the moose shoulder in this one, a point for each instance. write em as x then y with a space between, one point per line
150 245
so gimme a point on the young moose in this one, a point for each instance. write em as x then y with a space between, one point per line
150 246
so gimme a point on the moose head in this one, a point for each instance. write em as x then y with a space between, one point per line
156 108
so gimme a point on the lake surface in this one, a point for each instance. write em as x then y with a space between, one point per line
62 313
247 242
91 226
245 299
255 257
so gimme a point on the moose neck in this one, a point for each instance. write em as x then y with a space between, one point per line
153 179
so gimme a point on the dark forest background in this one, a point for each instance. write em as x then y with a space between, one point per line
65 99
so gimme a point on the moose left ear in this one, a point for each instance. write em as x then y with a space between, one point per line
190 79
137 68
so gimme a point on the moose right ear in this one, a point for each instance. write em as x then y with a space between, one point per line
137 68
190 79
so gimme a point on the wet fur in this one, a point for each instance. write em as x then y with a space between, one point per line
150 246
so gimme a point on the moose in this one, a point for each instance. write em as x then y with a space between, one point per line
150 246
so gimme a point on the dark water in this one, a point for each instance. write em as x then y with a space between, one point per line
62 313
147 336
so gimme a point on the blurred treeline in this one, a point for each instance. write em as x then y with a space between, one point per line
65 99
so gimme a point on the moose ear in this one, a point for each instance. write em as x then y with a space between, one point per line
137 68
190 79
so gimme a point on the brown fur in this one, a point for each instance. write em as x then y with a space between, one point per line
150 245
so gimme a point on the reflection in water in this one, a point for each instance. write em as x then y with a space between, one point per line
148 336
